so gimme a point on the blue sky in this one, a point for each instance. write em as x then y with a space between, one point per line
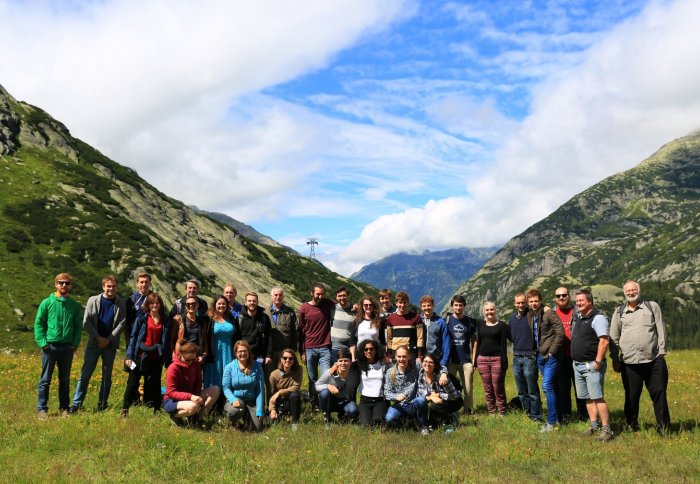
375 126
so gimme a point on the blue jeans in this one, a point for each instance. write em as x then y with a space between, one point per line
410 409
92 354
56 354
343 407
525 375
316 357
549 368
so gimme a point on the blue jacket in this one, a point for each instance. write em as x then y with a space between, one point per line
437 341
247 388
138 336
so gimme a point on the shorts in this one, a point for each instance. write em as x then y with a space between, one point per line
589 381
170 406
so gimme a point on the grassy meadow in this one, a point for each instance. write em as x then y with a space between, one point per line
101 446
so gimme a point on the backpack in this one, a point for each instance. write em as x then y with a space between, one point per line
644 304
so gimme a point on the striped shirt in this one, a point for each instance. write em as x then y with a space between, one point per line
341 326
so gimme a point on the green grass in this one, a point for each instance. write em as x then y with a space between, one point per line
101 446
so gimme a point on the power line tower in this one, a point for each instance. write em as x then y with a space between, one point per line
312 242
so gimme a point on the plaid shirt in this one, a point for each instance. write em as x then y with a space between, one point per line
445 392
397 383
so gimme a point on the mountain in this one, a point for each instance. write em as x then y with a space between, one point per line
641 224
65 207
243 229
437 273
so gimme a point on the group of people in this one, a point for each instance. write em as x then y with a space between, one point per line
409 366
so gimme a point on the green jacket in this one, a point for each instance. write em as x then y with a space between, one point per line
58 321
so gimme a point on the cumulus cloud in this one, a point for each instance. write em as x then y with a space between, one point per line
634 90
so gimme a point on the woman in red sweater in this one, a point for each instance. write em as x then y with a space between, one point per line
185 400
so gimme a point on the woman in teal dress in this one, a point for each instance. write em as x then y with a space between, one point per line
223 332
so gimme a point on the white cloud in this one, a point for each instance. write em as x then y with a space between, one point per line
635 90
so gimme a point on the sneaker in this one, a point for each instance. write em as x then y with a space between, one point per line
605 436
425 431
450 429
42 415
590 431
177 422
548 428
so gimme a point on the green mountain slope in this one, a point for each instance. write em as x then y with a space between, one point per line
66 207
640 224
437 273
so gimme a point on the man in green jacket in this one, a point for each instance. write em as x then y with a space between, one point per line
57 331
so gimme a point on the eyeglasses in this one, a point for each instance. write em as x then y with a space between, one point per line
428 362
561 296
191 305
287 358
241 352
63 283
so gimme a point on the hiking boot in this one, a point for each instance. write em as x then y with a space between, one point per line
42 415
605 435
177 422
590 431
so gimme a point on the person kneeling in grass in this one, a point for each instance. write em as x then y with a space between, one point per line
440 399
244 387
185 400
285 385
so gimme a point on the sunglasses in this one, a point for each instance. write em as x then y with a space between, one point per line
191 305
561 296
287 358
63 283
368 349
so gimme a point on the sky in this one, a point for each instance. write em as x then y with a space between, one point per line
375 126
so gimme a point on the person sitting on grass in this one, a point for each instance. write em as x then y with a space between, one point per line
244 387
439 403
184 399
337 388
285 386
370 361
400 388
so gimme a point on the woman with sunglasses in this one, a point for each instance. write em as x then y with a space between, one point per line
244 387
148 351
370 362
437 402
193 329
285 386
185 400
367 325
337 389
222 332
